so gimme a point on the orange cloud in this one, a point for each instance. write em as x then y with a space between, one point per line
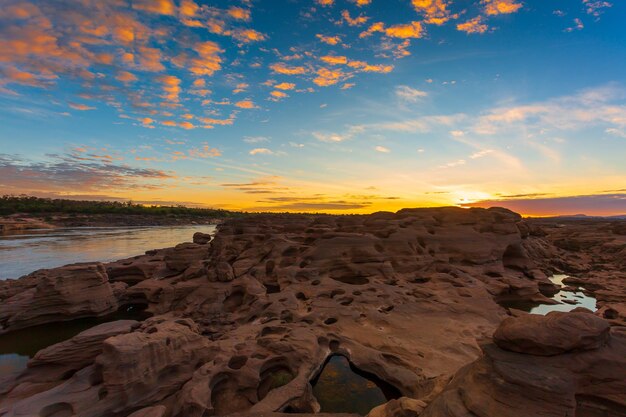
285 86
325 2
247 35
435 11
353 21
281 68
188 8
205 152
279 94
171 87
330 40
474 25
374 27
165 7
15 75
245 104
409 30
147 122
365 67
495 7
186 125
334 59
362 3
168 123
326 77
81 107
149 59
208 60
200 82
125 76
239 13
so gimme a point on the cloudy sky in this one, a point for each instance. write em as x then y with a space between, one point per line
317 105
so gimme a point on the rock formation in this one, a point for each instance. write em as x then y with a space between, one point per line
50 295
244 322
532 371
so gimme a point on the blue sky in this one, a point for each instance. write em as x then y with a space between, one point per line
338 106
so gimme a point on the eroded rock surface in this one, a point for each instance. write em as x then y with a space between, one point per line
244 322
511 380
49 295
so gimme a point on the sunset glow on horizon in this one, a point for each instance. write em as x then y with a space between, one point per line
338 106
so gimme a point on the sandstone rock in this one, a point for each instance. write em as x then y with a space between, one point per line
244 324
201 238
81 350
584 383
402 407
183 255
72 291
151 363
553 334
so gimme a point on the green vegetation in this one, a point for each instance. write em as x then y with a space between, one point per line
43 206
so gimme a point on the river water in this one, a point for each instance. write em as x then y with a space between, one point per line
25 252
28 251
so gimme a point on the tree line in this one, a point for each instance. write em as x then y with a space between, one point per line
10 204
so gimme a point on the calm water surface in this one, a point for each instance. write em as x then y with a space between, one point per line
28 251
25 252
341 388
578 296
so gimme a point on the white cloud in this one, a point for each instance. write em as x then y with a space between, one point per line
382 149
296 145
261 151
578 25
457 133
616 132
406 93
454 164
330 137
255 139
480 154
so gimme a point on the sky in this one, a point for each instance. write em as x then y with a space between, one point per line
338 106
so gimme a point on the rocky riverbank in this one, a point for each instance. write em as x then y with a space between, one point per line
243 324
19 223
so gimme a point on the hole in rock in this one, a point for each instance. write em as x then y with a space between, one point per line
275 376
269 267
234 300
237 362
342 388
18 346
330 320
227 398
272 288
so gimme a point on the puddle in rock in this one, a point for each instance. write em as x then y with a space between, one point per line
563 297
341 388
17 347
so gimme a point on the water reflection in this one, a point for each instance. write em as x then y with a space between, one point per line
24 252
567 300
341 388
17 347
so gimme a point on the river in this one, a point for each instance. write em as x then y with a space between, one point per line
25 252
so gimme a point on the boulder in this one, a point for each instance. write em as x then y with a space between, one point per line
82 349
553 334
69 292
201 238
